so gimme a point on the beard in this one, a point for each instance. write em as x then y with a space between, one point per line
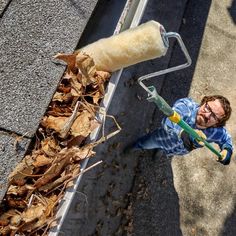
201 121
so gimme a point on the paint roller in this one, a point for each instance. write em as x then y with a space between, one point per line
130 47
144 42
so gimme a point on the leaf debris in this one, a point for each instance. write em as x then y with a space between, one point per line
38 182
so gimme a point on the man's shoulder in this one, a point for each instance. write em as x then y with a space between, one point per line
217 130
187 101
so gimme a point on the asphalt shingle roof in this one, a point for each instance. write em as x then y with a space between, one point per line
32 32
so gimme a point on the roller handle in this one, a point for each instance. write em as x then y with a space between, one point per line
159 101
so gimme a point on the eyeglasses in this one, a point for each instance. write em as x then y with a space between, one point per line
208 109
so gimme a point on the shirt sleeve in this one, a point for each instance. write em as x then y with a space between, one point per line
225 141
219 135
182 107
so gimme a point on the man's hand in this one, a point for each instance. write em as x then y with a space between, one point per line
189 142
225 156
202 135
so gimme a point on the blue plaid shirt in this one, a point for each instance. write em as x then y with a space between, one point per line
167 137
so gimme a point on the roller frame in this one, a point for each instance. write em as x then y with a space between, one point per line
165 37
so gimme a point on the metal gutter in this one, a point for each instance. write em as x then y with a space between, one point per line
130 17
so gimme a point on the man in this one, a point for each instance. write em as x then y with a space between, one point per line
208 119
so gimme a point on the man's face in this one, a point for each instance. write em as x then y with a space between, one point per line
209 114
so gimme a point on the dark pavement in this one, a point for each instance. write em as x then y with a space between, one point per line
143 195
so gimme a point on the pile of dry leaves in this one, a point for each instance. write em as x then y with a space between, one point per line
38 183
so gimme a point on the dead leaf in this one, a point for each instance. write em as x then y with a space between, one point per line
86 65
6 216
50 147
17 190
19 174
41 160
75 141
33 213
97 97
5 230
55 110
104 75
63 89
62 160
70 59
82 125
15 220
51 185
55 123
51 201
85 152
61 97
75 84
15 202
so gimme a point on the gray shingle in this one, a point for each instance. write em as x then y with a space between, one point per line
32 32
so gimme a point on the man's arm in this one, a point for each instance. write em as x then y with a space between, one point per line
226 156
221 137
226 146
184 108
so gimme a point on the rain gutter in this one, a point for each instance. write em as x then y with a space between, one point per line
130 17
